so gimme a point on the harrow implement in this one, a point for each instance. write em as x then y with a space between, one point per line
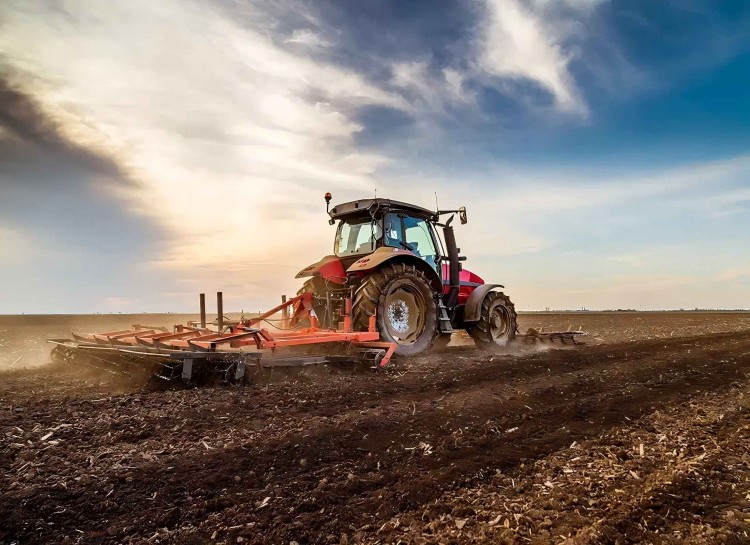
533 335
192 351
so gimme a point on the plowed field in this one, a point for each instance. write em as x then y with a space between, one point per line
641 436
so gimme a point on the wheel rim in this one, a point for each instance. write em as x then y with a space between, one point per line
499 320
405 314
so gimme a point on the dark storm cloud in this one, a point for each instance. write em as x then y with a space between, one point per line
34 135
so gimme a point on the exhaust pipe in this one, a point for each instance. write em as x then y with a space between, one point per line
454 264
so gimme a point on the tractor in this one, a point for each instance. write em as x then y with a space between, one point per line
390 262
391 286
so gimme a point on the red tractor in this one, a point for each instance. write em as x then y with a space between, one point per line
392 285
390 261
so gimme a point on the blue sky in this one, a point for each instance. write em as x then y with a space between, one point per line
150 151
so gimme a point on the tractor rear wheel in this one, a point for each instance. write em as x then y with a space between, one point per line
401 298
497 324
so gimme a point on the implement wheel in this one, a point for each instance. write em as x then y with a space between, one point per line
60 355
497 325
404 302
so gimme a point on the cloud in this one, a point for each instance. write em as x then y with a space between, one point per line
225 123
724 203
430 93
515 211
529 190
308 38
230 136
267 108
576 5
24 122
517 43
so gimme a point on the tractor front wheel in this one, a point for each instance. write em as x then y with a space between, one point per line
401 298
497 324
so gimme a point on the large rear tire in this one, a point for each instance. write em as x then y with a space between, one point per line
403 301
497 324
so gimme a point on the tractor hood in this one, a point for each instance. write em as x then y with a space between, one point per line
330 268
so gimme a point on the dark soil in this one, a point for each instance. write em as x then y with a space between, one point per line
458 447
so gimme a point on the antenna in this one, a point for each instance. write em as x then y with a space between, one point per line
436 202
376 192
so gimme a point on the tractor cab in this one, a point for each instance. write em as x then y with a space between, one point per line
403 227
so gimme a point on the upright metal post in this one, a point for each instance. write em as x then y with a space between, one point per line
348 315
220 310
203 310
284 313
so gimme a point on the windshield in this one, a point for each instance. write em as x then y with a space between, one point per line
358 236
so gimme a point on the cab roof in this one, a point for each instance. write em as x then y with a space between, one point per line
377 206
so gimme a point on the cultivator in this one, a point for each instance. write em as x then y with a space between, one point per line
392 286
194 351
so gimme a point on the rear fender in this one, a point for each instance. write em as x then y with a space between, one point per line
386 254
473 308
330 268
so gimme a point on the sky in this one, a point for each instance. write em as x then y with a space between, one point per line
151 151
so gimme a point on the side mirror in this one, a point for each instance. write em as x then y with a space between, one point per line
462 215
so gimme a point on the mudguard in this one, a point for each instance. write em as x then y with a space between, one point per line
330 268
473 308
386 254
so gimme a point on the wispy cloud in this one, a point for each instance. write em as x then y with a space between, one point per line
527 41
306 37
724 201
430 93
513 42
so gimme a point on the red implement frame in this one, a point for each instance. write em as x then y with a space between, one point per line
233 338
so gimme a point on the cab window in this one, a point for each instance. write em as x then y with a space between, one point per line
403 231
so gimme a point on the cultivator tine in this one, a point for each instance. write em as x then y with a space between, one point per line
164 341
83 338
563 336
131 334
